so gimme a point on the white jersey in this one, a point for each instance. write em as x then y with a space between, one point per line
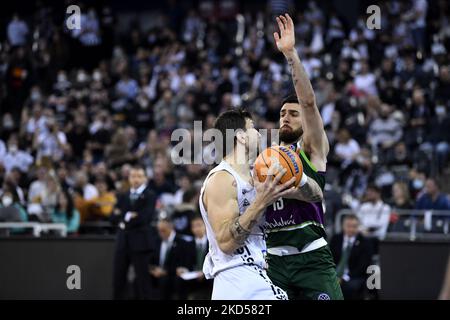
253 251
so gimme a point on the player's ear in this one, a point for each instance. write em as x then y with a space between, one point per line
241 136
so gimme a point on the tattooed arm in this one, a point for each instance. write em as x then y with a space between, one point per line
220 201
315 141
309 192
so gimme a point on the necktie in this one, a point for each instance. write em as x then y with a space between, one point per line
165 253
133 196
343 262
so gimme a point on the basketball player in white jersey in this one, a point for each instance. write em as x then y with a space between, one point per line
232 204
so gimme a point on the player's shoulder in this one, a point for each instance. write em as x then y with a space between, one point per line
220 176
221 182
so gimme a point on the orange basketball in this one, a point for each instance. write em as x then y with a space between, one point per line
271 160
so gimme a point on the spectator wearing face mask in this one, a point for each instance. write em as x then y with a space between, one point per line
433 198
10 208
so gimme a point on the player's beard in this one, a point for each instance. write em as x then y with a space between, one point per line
289 136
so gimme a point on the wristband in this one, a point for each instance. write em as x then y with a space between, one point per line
303 180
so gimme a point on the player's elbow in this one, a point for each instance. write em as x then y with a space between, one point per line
225 244
226 247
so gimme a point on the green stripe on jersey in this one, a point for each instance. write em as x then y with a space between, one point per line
295 227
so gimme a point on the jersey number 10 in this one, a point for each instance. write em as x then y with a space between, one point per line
278 205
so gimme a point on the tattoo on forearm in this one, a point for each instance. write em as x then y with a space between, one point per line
299 74
311 192
238 232
293 73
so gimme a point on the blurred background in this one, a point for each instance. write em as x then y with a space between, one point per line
79 108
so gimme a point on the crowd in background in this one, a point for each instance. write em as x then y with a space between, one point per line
79 107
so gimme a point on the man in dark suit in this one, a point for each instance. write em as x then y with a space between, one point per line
198 288
172 252
352 254
135 239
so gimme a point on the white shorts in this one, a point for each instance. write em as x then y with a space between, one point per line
245 283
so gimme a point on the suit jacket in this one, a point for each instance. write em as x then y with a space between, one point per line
203 254
180 254
138 234
360 254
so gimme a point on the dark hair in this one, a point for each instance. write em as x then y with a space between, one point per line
374 187
166 220
231 119
70 205
291 98
138 167
350 216
196 216
189 194
102 180
435 181
9 186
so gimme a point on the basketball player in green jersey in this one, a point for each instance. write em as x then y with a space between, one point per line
299 259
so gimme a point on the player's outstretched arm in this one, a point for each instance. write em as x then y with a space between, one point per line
220 200
314 138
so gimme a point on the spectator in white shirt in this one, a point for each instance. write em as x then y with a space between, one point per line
16 157
43 195
347 150
87 190
51 143
366 81
385 131
38 187
374 214
37 121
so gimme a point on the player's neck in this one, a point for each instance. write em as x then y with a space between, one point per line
239 165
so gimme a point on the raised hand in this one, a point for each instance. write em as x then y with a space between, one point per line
285 40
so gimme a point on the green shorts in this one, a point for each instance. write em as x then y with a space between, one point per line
306 276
